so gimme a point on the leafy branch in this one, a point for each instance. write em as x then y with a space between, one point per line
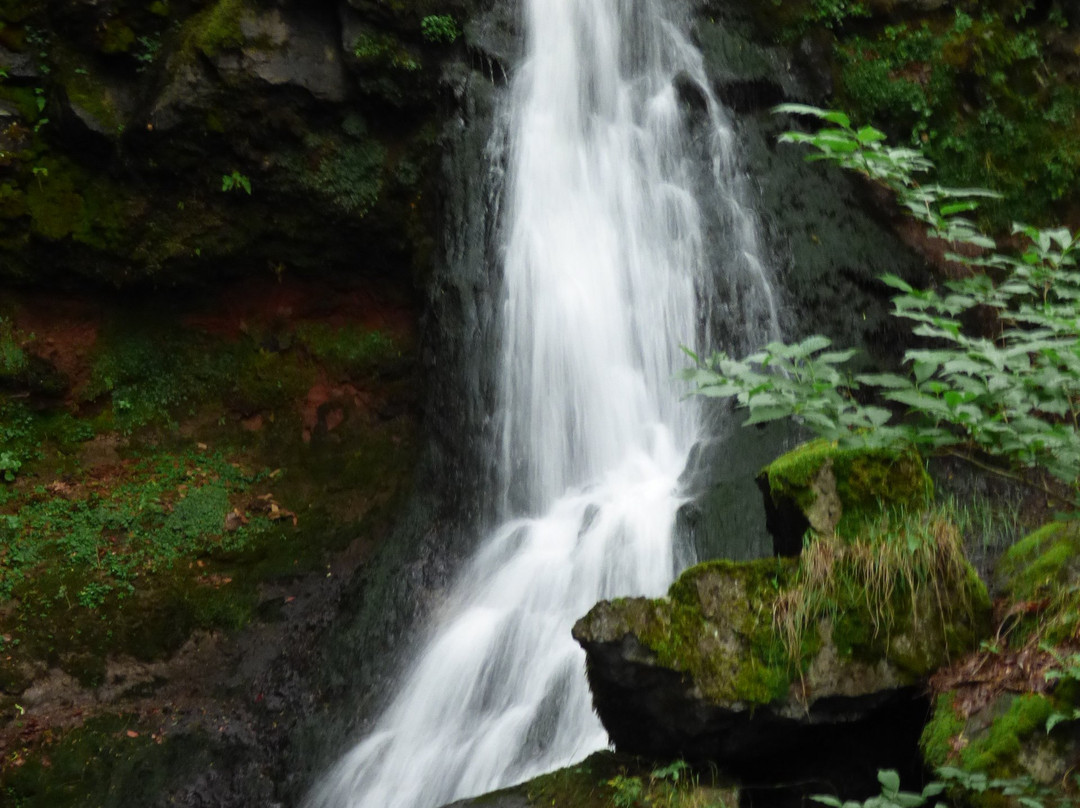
1011 392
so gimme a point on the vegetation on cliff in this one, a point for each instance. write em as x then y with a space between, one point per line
997 384
986 89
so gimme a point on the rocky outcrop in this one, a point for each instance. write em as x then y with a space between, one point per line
825 488
1010 712
784 666
717 671
120 128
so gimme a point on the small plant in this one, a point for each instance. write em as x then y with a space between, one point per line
671 772
891 796
147 52
1027 793
236 182
93 594
439 28
1069 669
384 50
9 466
626 791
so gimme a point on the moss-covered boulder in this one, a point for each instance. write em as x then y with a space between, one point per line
828 488
742 660
1010 711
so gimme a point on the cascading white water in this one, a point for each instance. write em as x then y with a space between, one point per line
604 267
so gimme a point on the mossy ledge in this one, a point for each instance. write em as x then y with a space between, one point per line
827 488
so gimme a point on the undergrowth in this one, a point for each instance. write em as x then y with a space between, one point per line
899 567
101 539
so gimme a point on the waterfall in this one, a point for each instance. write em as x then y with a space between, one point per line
604 270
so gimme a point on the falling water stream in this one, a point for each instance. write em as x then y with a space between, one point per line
604 273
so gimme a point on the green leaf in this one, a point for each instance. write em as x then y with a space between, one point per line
762 415
832 116
889 779
868 134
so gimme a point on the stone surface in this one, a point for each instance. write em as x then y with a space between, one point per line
706 674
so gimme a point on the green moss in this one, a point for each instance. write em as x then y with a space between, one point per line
12 202
55 207
115 37
938 739
96 99
710 608
901 592
866 480
997 749
991 741
110 761
216 28
1044 567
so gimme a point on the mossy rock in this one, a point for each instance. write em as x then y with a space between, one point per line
1005 735
716 669
838 489
718 627
1043 569
1005 739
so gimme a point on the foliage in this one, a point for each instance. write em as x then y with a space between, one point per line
161 512
1029 794
12 356
1068 668
984 94
440 29
9 466
891 796
833 13
1010 390
672 786
384 51
236 182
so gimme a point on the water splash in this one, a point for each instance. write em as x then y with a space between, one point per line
604 270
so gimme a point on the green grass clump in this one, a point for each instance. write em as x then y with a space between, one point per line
904 576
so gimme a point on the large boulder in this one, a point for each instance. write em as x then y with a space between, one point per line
784 665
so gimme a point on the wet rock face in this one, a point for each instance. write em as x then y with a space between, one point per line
120 125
